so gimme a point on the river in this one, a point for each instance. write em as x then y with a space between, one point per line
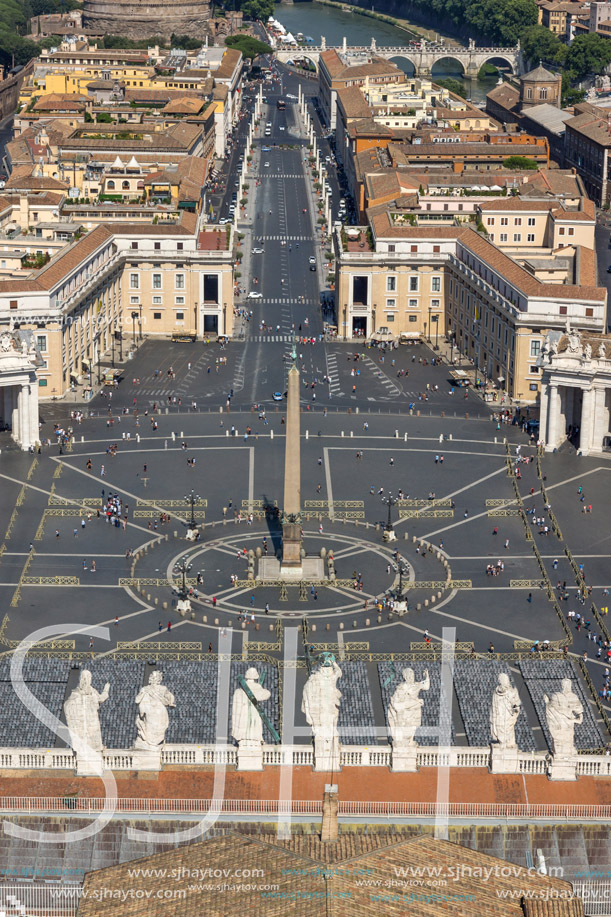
317 19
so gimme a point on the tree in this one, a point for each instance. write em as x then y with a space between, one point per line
454 86
539 44
250 47
501 21
520 162
183 41
588 54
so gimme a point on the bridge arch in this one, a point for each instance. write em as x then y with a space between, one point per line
456 61
404 63
499 59
292 57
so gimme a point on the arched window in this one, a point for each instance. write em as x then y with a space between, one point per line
110 185
125 186
543 93
529 93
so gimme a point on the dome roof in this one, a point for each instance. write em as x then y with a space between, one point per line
540 75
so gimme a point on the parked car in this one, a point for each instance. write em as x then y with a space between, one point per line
254 295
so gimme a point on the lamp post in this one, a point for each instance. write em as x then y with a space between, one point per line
429 325
134 317
192 499
182 567
403 571
452 341
435 320
389 532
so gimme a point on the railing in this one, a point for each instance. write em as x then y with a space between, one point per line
148 806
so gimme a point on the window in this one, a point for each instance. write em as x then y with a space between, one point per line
503 237
530 237
563 310
535 348
134 244
504 221
391 303
41 342
561 231
543 93
517 221
180 281
156 281
529 93
134 281
413 249
589 313
435 303
437 248
156 316
534 369
157 300
111 187
157 246
531 221
533 387
179 246
413 303
390 317
490 221
211 288
179 300
413 318
436 284
517 237
571 231
392 249
360 286
180 316
391 284
134 300
413 284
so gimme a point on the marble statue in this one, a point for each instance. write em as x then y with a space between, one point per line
405 709
82 715
246 724
587 352
602 351
574 341
153 720
563 711
320 703
504 713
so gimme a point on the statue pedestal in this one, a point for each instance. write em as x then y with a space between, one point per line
250 757
326 754
390 535
191 534
504 759
404 758
563 767
183 607
89 765
147 759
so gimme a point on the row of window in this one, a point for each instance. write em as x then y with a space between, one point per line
391 284
157 300
517 221
179 281
413 303
157 246
517 237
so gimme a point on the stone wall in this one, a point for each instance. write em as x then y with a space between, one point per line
10 88
147 19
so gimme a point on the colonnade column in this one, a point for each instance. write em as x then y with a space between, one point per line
585 426
553 417
600 424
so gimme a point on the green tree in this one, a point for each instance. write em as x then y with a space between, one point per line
520 162
102 117
539 44
454 86
588 54
501 21
250 47
183 41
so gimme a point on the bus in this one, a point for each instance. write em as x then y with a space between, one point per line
281 105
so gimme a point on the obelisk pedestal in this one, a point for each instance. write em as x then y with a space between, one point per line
291 564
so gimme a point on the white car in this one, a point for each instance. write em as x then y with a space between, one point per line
266 165
312 259
254 295
257 251
281 128
223 220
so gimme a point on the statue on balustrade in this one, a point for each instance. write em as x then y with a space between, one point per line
506 706
564 711
153 720
320 703
83 717
405 709
246 723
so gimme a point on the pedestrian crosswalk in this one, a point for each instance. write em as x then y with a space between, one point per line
286 238
270 338
284 301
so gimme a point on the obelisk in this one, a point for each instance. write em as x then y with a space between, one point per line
291 515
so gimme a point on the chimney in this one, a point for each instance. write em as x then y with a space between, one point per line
329 830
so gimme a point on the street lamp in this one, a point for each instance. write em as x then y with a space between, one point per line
435 319
192 499
134 317
389 532
403 571
182 567
452 342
